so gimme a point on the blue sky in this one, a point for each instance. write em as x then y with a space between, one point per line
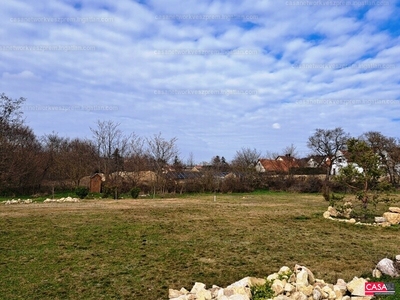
218 75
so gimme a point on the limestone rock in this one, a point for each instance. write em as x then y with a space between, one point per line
278 286
307 279
203 295
394 209
307 290
317 294
327 214
301 278
174 293
393 218
340 286
282 297
198 286
272 277
376 273
257 281
357 286
298 296
386 224
288 288
332 211
380 220
386 266
284 270
239 297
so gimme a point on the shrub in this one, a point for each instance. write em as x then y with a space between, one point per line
262 292
135 192
111 191
81 191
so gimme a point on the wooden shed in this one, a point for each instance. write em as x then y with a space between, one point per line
96 181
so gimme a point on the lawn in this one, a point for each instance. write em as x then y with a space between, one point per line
137 249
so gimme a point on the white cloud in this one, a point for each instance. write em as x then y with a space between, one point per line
276 126
124 71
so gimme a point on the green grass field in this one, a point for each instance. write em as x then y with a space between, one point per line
137 249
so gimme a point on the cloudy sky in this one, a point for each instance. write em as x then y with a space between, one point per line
218 75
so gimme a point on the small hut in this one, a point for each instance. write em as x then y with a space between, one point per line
96 181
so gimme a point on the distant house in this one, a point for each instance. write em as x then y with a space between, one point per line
281 164
342 160
316 161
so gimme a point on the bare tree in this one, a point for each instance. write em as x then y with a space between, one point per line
328 143
245 159
109 140
190 161
161 152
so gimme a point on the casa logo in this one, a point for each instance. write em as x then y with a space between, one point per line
379 288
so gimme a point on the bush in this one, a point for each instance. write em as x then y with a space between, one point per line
81 191
262 292
135 192
111 191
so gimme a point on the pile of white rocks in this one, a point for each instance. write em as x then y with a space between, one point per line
18 201
299 284
62 200
392 217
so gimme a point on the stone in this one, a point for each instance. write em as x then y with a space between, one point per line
174 293
257 281
310 276
338 292
306 290
284 270
340 286
386 266
282 297
394 209
203 295
352 221
198 286
380 220
376 273
357 286
278 286
182 297
317 294
386 224
298 296
332 211
289 288
301 278
393 218
326 214
272 277
239 297
244 282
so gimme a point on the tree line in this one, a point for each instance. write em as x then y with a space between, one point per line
30 164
